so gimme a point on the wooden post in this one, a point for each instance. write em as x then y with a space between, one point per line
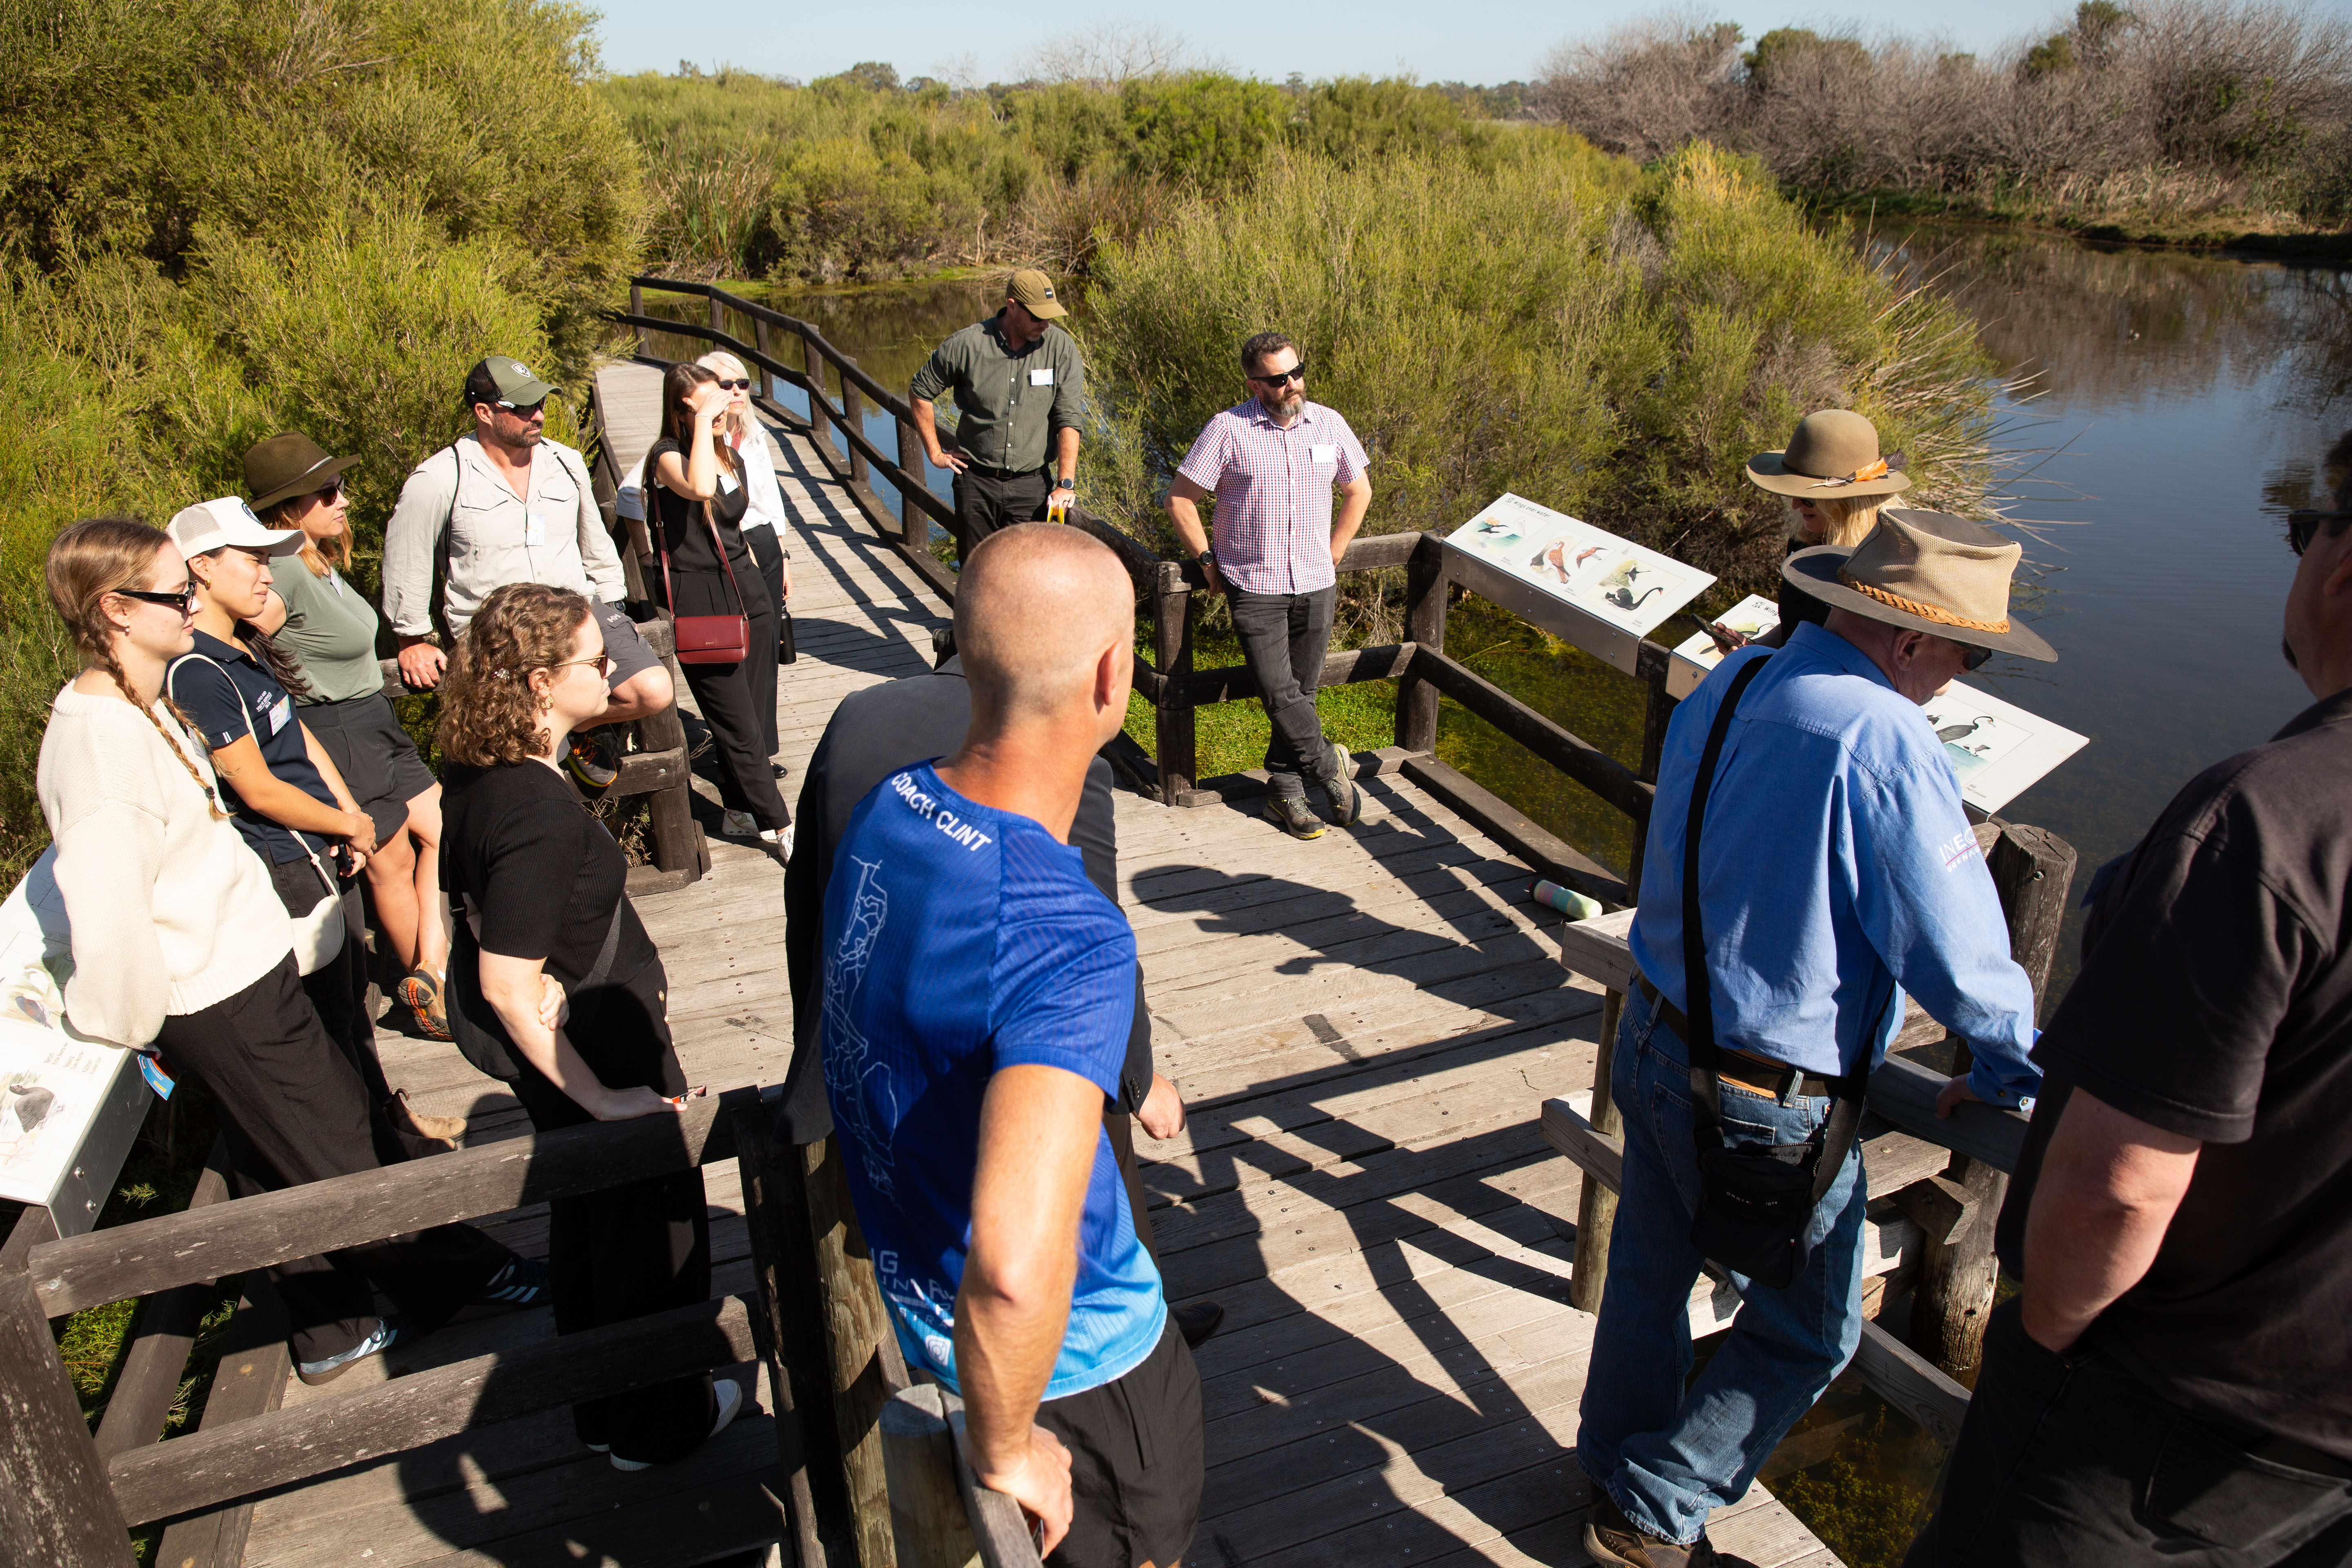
1425 591
718 316
2033 868
637 308
1172 650
788 1323
856 1326
852 423
820 401
57 1506
914 522
759 341
1596 1204
927 1513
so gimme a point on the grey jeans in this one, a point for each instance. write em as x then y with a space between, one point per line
1284 637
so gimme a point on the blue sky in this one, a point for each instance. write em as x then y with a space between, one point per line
1497 41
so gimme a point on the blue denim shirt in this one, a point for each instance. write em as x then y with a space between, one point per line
1837 865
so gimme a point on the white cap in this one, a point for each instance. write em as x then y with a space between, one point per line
210 525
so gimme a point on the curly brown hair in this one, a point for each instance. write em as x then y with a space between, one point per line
488 715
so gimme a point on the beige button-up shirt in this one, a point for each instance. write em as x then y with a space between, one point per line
554 535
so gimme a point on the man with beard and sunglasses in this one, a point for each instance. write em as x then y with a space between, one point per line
2172 1382
1272 461
504 504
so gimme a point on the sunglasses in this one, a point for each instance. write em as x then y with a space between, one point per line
1976 658
183 601
1296 373
742 385
602 661
334 487
522 410
2302 527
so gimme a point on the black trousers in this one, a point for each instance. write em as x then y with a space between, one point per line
2072 1460
731 697
294 1110
1284 637
984 504
769 551
631 1250
338 991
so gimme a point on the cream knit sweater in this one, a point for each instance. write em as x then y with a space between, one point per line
171 911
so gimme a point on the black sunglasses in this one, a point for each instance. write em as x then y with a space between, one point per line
2302 527
1976 658
183 601
742 385
1296 373
523 410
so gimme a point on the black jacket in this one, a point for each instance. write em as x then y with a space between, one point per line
874 734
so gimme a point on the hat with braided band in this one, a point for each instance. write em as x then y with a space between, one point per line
1928 572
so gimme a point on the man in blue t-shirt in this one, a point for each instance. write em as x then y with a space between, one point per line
977 992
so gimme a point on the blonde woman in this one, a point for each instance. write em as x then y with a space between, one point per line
1835 480
180 944
763 519
330 629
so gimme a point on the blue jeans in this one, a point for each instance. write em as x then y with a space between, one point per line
1667 1456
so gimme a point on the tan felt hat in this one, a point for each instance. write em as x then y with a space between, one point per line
1035 291
1833 453
1928 572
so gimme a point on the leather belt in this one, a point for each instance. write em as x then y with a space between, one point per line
985 472
1749 1071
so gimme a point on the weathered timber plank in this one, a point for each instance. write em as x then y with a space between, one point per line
1911 1382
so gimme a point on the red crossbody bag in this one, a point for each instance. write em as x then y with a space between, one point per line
706 639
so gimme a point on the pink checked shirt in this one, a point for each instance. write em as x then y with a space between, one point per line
1273 521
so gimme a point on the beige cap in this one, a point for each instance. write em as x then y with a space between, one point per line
1034 293
210 525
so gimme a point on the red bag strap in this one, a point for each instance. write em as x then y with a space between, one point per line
661 548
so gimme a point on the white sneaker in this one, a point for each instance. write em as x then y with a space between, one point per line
782 837
730 1404
738 824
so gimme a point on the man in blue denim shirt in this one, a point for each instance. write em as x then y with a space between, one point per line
1836 870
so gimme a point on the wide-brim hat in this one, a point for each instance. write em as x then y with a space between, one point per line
1834 452
1928 572
288 465
227 520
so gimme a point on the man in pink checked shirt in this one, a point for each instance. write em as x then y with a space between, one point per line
1272 461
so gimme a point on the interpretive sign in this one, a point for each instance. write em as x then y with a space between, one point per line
1997 749
1697 655
70 1107
1577 581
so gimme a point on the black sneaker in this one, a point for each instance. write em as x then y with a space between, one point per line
1611 1537
522 1283
1289 813
388 1333
1339 789
1196 1321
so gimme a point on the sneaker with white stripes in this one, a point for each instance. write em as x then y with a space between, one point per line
522 1282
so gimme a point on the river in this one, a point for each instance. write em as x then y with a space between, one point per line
2177 409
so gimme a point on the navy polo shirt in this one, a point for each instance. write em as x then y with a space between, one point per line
230 695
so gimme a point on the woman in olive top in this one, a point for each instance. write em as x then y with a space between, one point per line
330 628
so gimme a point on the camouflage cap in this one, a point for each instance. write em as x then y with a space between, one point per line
1034 292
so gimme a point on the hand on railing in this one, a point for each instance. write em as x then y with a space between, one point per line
1039 1480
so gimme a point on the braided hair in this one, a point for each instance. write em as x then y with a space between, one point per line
102 555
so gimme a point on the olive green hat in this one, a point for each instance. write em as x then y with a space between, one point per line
1834 452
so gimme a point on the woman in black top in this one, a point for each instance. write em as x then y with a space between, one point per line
1835 480
537 892
696 482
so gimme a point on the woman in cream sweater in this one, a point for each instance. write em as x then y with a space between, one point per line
180 943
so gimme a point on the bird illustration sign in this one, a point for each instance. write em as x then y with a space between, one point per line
1996 749
1603 592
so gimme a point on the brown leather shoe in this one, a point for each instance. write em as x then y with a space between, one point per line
442 1130
1610 1538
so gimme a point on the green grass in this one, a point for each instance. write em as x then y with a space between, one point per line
1231 737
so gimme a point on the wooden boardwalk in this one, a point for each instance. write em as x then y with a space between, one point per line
1364 1025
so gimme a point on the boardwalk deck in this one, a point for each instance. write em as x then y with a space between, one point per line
1364 1025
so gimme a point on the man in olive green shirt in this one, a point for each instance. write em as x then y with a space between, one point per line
1019 385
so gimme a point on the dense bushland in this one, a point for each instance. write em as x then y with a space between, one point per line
1610 339
219 221
2158 110
859 176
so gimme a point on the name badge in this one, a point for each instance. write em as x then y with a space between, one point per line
535 529
726 485
1323 454
1042 377
283 710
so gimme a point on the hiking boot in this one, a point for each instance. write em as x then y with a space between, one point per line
594 760
1289 813
1339 789
1610 1538
420 993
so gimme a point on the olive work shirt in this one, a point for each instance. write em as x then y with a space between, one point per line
2215 1001
1008 405
556 535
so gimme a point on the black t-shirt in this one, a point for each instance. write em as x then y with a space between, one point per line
2215 1001
230 697
545 874
697 575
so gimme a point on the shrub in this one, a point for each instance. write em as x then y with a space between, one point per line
1610 340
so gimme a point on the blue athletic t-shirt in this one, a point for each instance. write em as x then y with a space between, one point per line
958 940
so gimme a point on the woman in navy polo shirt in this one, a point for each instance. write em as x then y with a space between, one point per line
284 791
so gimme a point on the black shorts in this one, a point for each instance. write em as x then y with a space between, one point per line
1135 1462
375 755
632 655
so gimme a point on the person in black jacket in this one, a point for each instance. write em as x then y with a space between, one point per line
871 735
705 568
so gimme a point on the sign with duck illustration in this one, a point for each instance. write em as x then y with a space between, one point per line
1600 592
1696 656
1997 749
